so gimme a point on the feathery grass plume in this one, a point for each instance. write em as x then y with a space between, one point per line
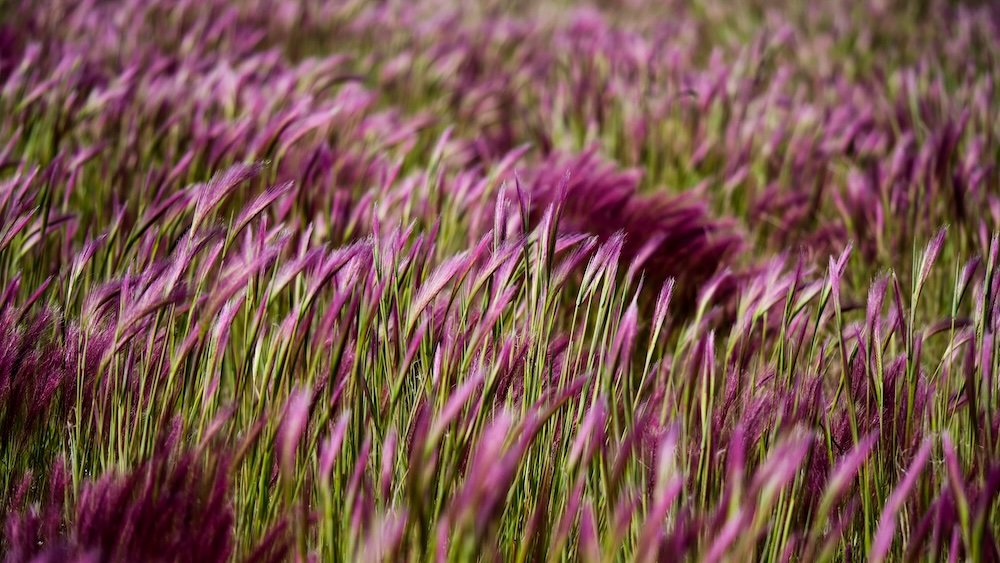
173 506
890 514
672 236
292 426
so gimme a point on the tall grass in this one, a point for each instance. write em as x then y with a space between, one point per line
643 281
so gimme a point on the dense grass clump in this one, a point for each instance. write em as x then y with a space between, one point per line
636 280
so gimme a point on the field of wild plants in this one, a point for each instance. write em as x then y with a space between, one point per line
431 280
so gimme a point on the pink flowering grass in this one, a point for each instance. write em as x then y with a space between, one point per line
297 280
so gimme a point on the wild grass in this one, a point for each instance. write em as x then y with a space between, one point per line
635 281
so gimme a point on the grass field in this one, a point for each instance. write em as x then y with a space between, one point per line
433 280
